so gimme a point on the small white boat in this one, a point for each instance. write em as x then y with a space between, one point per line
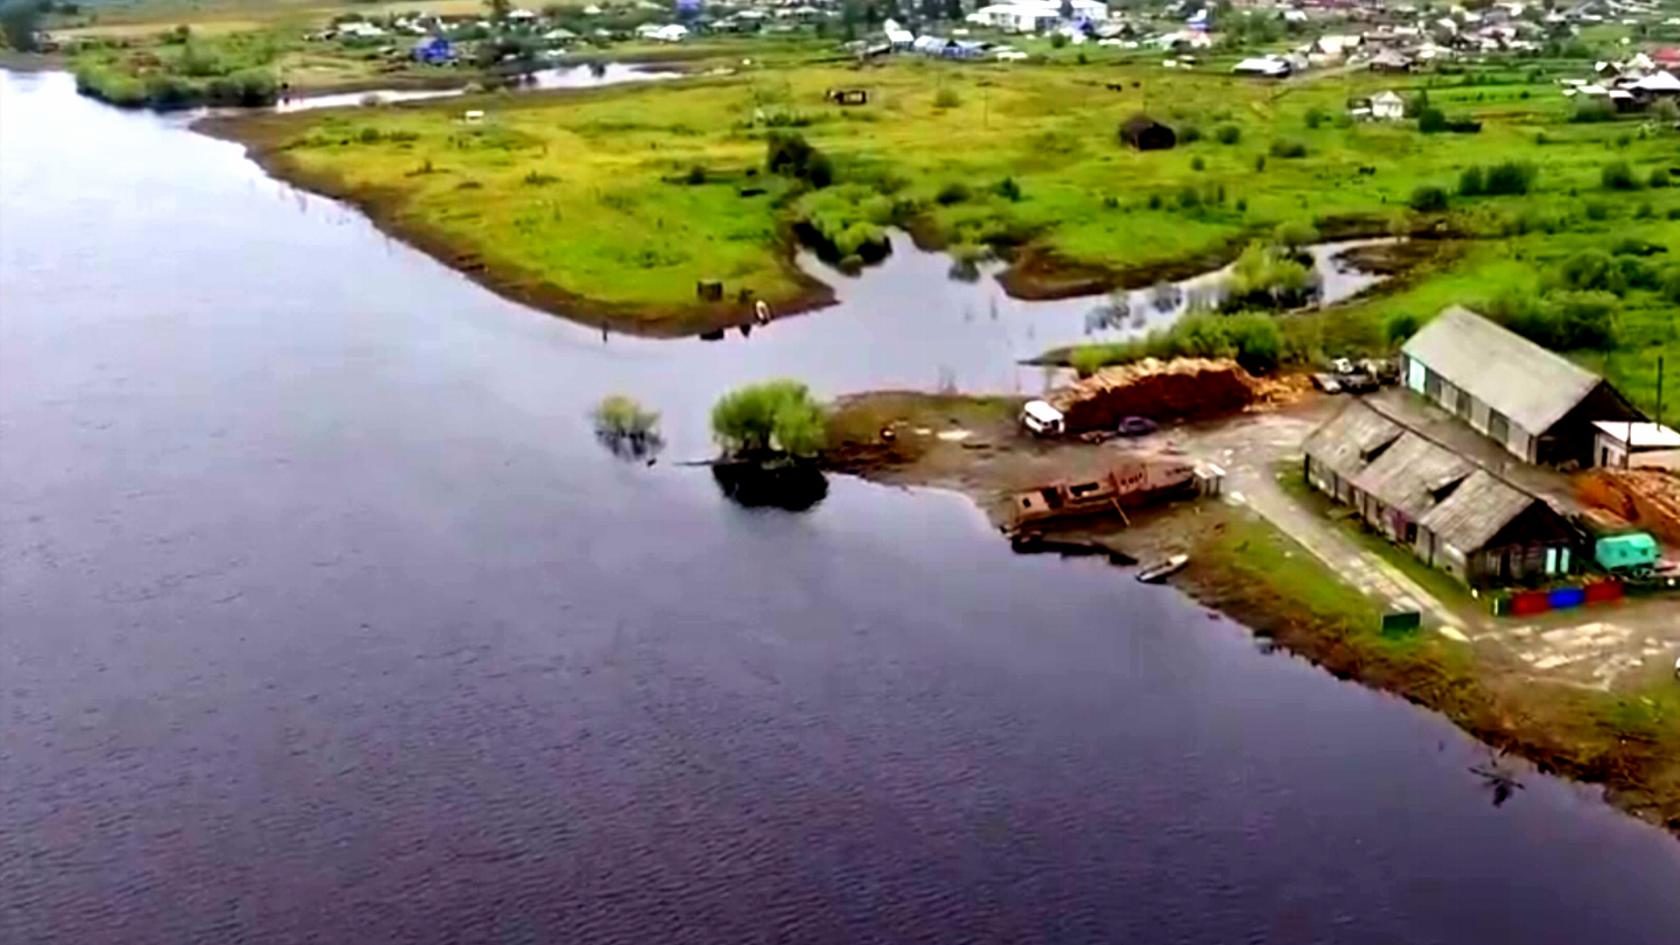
1157 573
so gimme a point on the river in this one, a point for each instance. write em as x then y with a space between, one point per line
324 619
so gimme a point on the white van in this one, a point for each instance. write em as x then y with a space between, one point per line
1041 419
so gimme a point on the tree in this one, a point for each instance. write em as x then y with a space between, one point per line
1400 327
775 417
499 9
1428 199
1066 10
954 10
18 21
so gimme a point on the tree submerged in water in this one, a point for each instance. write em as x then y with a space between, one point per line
627 428
775 419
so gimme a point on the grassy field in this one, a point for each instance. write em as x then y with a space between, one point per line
628 197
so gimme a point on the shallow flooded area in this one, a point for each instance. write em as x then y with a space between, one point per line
327 618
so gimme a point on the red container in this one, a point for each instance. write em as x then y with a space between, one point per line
1529 603
1600 592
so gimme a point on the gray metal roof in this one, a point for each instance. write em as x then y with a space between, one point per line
1343 441
1413 473
1534 388
1476 511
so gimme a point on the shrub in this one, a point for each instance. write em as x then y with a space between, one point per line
1564 321
1267 276
1669 285
1154 201
1593 270
1259 163
1591 110
1287 148
1401 326
953 193
1188 198
946 98
1242 204
1432 121
1008 189
1645 211
1189 134
1428 199
696 176
1617 175
1295 234
819 172
1316 116
1227 134
1470 182
772 417
1509 178
1257 341
1197 164
1659 177
1597 210
621 416
1058 40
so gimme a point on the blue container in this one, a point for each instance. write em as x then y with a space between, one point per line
1562 598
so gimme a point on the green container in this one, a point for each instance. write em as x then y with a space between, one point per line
1626 552
1404 622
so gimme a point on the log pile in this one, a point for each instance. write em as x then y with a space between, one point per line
1180 389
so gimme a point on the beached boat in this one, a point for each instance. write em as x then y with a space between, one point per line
1157 573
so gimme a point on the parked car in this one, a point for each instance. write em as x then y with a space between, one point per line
1041 419
1136 426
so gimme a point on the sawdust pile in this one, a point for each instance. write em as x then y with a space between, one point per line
1649 498
1180 389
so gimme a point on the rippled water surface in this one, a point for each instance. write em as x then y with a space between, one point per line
324 619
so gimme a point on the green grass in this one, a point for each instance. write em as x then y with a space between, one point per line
614 228
1253 551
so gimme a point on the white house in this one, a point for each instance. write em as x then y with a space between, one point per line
1387 106
1035 16
669 33
1266 67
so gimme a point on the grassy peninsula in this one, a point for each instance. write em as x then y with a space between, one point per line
616 202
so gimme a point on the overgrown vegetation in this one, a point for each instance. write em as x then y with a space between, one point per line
775 418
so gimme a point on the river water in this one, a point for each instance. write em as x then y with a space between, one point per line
324 619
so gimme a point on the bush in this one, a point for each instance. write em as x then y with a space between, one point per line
1563 321
1669 285
1509 178
1197 164
1400 327
1617 175
1591 110
1008 189
1058 40
620 416
1256 340
946 98
1259 163
1591 270
775 417
1268 276
1470 182
1189 134
696 176
1659 177
1295 234
1316 116
1597 210
1286 148
1227 134
1432 121
953 193
819 172
1428 199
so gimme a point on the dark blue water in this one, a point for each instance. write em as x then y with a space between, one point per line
324 619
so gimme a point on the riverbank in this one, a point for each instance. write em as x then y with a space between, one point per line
1626 739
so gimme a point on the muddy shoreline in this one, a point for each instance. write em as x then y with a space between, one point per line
1484 697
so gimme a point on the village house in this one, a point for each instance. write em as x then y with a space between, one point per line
1636 445
1538 405
1448 510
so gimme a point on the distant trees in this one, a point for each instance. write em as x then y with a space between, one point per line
1507 178
768 419
19 20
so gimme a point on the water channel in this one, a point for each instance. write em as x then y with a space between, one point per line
324 619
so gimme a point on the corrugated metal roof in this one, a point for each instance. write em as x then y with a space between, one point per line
1534 388
1344 441
1413 474
1407 474
1476 511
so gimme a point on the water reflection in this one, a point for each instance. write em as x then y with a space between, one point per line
793 487
561 77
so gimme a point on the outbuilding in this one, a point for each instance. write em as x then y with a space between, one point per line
1538 405
1443 506
1147 134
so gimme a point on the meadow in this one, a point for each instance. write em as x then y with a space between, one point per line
628 197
